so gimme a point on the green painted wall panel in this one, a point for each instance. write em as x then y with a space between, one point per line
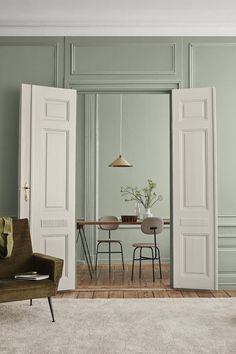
35 61
212 63
128 58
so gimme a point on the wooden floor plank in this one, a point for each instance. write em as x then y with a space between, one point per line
85 295
69 294
174 293
189 293
59 294
204 293
100 295
145 294
219 293
231 293
160 293
116 294
130 294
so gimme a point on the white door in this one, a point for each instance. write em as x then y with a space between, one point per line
194 189
47 172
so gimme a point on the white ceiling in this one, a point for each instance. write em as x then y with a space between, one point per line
118 17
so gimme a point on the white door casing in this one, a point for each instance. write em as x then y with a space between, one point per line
194 189
48 127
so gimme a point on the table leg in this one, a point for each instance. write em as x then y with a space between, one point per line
81 233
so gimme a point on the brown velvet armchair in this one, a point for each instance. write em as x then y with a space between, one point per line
24 260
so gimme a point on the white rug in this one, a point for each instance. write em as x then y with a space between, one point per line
119 326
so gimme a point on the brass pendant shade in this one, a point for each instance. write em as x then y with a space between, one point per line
120 161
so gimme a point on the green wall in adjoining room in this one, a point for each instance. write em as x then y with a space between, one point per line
97 67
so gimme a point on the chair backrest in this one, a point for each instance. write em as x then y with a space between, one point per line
109 227
21 258
150 224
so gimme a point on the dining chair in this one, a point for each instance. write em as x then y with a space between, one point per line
109 241
149 226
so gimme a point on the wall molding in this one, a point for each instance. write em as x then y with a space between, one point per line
168 29
142 86
41 44
90 212
191 47
74 72
227 220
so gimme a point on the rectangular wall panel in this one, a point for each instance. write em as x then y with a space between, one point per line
194 254
55 169
56 110
121 58
193 109
193 168
57 246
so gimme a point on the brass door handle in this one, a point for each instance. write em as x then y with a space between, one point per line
26 189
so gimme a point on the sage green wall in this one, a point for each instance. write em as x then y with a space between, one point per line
102 65
145 144
22 60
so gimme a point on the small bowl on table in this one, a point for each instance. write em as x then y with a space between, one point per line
129 218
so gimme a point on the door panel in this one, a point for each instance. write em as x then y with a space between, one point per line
52 174
194 189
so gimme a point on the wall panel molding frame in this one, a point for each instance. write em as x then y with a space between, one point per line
55 46
227 220
135 52
227 251
191 47
91 167
149 86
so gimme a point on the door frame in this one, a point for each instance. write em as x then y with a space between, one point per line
144 87
164 87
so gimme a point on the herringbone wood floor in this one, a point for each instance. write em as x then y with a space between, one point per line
117 284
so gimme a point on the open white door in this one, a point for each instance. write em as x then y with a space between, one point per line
194 189
47 172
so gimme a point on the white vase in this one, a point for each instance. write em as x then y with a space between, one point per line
137 210
147 213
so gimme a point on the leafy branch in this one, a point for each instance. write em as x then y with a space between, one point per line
146 196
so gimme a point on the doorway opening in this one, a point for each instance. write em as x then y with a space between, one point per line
146 144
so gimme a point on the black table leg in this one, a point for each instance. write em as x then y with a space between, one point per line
81 233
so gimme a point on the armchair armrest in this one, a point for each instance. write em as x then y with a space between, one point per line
48 265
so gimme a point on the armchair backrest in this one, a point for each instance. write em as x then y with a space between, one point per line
21 259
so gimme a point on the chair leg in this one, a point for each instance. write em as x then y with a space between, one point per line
140 262
30 302
51 309
96 261
132 274
122 256
153 270
109 257
159 256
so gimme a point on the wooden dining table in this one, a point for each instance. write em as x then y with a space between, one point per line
80 224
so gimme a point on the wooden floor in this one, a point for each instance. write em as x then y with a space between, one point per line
119 285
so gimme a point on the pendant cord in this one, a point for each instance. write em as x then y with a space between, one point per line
121 113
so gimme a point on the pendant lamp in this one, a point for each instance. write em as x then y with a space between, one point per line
120 161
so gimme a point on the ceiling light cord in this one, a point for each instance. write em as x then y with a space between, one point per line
121 118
